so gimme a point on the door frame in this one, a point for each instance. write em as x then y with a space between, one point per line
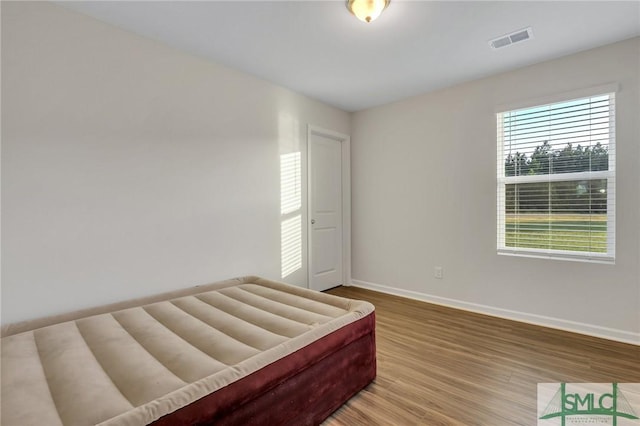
345 143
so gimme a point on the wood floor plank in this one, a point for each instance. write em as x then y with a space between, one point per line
444 366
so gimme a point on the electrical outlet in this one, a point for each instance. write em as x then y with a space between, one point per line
437 272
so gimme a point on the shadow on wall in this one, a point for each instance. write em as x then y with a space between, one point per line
290 197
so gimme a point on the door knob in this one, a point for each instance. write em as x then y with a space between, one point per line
313 221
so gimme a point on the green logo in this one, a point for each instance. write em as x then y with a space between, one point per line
585 404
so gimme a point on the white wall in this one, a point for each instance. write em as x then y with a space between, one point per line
129 168
424 194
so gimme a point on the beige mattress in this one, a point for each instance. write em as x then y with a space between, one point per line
130 364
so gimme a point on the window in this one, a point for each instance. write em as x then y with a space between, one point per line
556 179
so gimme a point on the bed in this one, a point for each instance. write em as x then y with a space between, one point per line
239 352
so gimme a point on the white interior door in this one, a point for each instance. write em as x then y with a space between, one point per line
326 260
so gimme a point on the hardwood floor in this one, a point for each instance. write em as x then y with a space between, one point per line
443 366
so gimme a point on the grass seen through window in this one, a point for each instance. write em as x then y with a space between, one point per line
558 232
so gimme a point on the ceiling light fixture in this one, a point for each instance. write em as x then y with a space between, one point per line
367 10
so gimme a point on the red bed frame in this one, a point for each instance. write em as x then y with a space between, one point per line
303 388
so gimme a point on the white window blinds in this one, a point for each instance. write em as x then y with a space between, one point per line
556 179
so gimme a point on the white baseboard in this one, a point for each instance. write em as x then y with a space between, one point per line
561 324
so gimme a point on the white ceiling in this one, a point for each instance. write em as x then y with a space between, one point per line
317 48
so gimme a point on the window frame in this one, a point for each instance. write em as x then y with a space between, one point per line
609 175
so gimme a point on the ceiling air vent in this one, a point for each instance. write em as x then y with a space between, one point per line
509 39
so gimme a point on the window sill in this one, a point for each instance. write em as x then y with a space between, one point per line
572 256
